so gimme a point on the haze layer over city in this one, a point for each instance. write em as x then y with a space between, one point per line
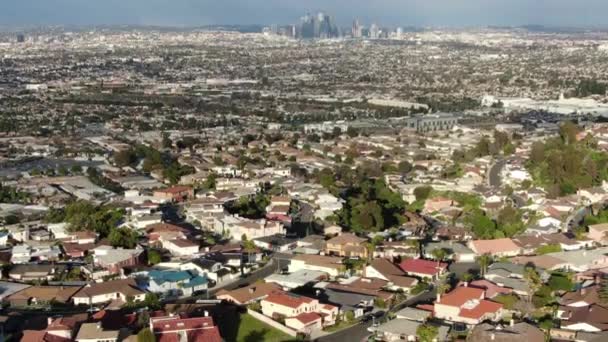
252 171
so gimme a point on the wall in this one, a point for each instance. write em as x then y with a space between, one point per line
272 323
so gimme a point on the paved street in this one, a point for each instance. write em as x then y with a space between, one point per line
494 173
359 332
273 265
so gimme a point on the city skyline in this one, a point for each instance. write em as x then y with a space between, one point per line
562 13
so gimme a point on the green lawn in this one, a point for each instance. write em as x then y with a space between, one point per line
253 330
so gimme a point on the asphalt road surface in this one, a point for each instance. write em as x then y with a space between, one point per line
273 266
359 332
494 173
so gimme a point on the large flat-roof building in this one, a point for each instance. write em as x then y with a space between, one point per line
432 122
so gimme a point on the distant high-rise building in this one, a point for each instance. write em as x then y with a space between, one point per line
374 32
20 38
356 30
318 26
399 33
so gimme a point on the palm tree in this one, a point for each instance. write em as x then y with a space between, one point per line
533 280
484 261
439 254
414 244
603 292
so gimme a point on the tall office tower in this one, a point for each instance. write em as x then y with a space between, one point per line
318 26
20 38
356 30
374 31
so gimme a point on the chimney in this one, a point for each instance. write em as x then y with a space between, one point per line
49 320
439 298
206 313
512 323
583 291
466 284
492 337
252 289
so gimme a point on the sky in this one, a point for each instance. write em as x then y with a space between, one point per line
453 13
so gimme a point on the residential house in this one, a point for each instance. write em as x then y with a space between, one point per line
328 264
34 252
37 296
585 296
423 268
404 330
327 204
346 245
207 267
466 305
248 294
174 194
278 209
374 287
599 233
237 227
115 259
185 329
508 275
593 318
432 205
516 332
396 249
499 247
384 269
36 272
296 279
276 243
295 310
181 247
97 293
176 283
93 332
455 251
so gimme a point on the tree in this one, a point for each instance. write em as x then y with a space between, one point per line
125 158
484 261
560 282
154 257
422 192
533 280
123 237
568 131
426 332
145 335
439 254
404 167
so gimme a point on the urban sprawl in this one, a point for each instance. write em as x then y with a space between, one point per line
304 182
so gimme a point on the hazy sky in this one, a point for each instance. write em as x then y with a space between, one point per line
385 12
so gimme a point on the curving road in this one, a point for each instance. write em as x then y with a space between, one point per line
359 332
494 173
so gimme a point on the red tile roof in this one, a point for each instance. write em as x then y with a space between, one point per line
484 307
422 266
308 317
175 189
288 299
176 323
461 295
